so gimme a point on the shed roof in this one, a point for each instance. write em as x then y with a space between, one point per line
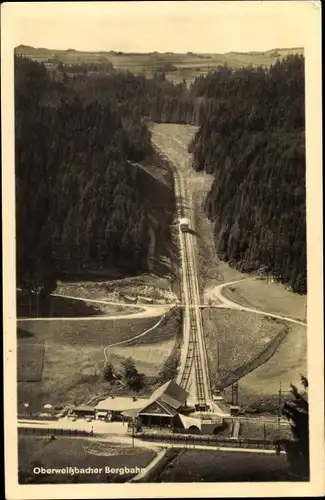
131 413
121 404
171 393
84 408
158 408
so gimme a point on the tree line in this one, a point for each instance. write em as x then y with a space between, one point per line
252 141
78 202
77 199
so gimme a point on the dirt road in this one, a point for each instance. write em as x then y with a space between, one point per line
146 311
229 304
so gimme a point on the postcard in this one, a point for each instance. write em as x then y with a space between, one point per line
162 242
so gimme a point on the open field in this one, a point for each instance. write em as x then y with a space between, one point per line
74 356
234 338
267 296
256 428
84 334
151 350
286 365
260 430
177 67
148 357
80 453
220 466
64 307
30 359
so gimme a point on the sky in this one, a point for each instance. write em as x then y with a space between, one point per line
180 26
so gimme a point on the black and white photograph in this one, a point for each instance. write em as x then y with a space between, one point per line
161 295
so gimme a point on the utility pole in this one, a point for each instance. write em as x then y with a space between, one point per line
234 394
218 358
279 409
133 424
37 300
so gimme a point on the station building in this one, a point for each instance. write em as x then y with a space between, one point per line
160 410
112 408
166 408
83 411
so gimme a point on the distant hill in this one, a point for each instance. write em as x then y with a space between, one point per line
188 66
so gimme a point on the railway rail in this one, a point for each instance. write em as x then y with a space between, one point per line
194 366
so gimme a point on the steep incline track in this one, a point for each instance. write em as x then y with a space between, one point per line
193 374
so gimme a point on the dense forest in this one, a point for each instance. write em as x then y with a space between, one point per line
77 200
79 205
156 99
252 141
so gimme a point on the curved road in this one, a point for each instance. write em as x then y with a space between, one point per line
144 311
194 348
229 304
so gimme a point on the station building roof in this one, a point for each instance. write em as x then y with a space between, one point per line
164 401
121 404
84 408
171 393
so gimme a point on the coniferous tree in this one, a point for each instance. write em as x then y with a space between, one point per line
297 412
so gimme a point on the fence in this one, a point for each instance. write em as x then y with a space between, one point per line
36 416
38 431
260 359
209 441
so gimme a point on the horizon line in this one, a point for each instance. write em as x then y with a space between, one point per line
107 51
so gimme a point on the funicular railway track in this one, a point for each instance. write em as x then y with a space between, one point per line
194 365
193 355
196 353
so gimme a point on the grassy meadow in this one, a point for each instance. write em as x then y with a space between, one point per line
80 453
177 67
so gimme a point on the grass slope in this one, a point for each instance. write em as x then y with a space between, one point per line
181 66
267 296
30 362
74 355
234 338
285 365
80 453
62 307
220 466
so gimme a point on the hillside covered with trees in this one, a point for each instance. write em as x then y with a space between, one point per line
77 199
156 99
80 205
252 141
